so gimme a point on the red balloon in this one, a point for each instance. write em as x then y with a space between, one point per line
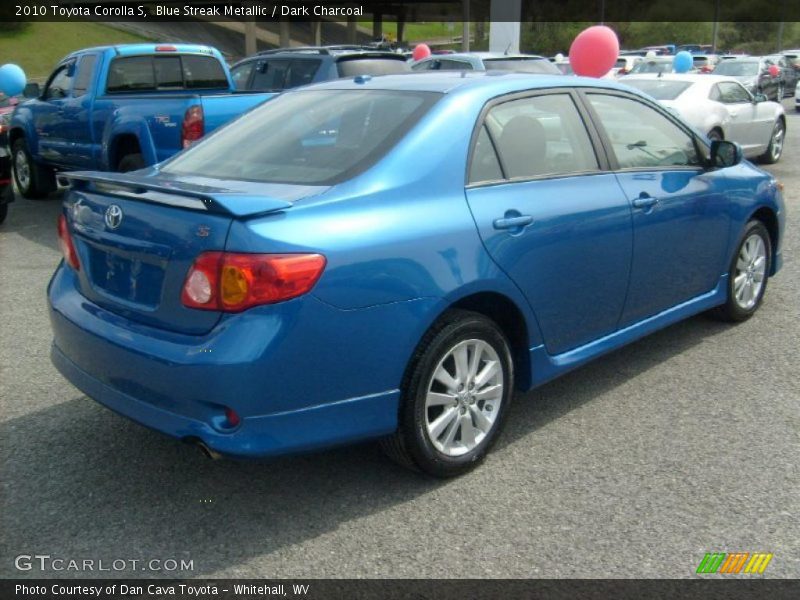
594 51
421 51
774 70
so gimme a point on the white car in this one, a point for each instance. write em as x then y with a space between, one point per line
721 108
625 64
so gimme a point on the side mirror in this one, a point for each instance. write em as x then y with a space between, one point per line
32 90
759 98
725 153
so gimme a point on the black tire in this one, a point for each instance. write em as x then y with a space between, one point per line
775 148
131 162
39 182
411 446
732 310
3 212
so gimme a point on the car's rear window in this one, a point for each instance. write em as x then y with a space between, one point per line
521 65
164 73
737 68
660 89
313 137
351 67
203 72
653 66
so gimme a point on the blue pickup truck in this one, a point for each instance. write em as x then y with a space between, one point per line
121 108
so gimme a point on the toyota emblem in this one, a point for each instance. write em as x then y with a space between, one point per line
113 216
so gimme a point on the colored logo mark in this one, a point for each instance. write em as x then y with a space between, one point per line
734 562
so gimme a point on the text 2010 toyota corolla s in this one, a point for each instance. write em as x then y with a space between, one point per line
393 257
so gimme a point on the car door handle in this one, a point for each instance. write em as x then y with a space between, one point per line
513 222
644 202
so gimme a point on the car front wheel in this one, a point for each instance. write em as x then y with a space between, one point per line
455 395
33 181
775 148
748 274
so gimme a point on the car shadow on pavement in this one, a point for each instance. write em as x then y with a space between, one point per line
35 220
81 482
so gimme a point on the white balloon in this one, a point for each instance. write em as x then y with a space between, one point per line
650 54
559 57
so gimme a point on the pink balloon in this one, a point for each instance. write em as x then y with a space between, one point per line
421 51
774 70
594 51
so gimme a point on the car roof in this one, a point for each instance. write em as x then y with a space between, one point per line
445 82
487 56
701 78
150 48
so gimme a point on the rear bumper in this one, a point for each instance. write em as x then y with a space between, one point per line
269 435
302 375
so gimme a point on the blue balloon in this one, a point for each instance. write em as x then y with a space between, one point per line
682 62
12 80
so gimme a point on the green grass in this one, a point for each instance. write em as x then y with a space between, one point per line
421 32
38 47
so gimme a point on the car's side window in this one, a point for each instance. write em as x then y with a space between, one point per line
301 72
60 83
640 136
541 136
732 93
714 93
241 75
427 65
484 166
454 65
84 74
271 75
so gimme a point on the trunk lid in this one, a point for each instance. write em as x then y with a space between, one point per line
137 238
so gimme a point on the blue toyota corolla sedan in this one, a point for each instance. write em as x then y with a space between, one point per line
395 257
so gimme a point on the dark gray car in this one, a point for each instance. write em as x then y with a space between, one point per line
753 73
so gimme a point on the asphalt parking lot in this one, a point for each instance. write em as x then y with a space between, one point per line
684 443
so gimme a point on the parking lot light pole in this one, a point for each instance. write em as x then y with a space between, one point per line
465 25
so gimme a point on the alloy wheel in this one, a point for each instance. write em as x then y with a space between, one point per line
750 271
777 141
22 169
463 397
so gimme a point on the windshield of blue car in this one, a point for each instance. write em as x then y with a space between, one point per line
736 68
660 89
521 65
310 137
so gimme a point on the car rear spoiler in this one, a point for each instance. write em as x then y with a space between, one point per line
179 195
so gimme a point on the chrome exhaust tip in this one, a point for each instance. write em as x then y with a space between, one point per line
204 450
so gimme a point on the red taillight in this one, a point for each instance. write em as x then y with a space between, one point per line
193 126
231 282
622 72
67 246
706 69
166 49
